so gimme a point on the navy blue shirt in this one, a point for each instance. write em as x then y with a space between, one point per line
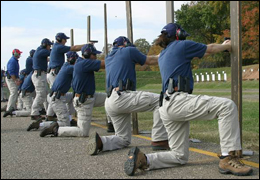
40 59
28 84
120 64
29 65
84 77
63 80
21 77
13 67
57 58
175 60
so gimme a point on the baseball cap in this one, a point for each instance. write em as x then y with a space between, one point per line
46 41
32 52
17 51
171 29
120 41
90 49
61 36
72 54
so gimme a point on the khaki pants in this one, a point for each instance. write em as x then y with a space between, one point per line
41 90
61 109
20 105
27 102
84 113
182 108
13 88
119 108
50 79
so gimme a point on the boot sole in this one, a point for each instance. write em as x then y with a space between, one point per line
129 166
92 148
222 171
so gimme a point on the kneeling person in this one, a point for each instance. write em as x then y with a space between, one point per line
85 99
60 96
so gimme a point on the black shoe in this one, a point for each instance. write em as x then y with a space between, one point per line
9 112
37 117
3 109
73 122
42 112
51 130
34 125
110 127
94 144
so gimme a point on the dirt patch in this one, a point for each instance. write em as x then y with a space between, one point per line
251 72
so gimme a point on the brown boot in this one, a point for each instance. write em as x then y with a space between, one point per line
51 130
37 117
160 145
51 118
232 164
34 125
136 160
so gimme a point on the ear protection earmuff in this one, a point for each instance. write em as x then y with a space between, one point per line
86 54
180 34
44 45
15 53
58 39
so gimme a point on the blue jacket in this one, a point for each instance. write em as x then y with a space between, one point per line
13 67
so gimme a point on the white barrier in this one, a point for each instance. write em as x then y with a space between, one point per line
202 77
207 77
213 77
219 77
225 77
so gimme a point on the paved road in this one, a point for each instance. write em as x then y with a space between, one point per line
25 155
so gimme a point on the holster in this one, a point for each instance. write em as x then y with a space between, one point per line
171 86
51 93
58 94
8 75
39 72
184 84
82 97
129 85
161 99
23 93
57 69
120 85
49 70
109 91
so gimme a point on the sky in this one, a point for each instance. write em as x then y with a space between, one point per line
25 23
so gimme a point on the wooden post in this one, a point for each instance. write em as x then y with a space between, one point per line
236 58
71 38
105 44
169 12
130 37
88 30
105 28
129 21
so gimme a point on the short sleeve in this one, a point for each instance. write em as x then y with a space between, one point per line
194 49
